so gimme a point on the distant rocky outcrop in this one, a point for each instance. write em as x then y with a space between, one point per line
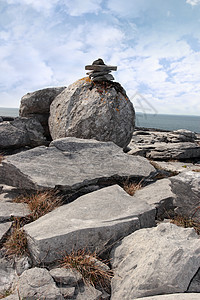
89 110
164 146
37 105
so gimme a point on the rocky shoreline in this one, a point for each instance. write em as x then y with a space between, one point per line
118 204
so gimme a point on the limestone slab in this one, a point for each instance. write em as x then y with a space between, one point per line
179 296
155 261
72 163
94 221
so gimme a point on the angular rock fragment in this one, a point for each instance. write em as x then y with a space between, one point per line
160 196
186 187
37 105
36 283
4 227
72 163
21 132
69 277
155 261
95 221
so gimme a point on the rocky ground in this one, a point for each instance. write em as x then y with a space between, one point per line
150 257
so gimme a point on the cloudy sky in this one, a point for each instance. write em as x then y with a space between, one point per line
154 43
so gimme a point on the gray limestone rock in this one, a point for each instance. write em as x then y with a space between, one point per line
37 283
7 275
194 286
177 166
179 296
88 292
9 209
186 187
39 101
20 133
95 221
155 261
160 196
101 112
37 105
4 227
72 163
103 77
159 145
69 277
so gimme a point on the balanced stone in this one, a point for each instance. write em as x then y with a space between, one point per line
100 71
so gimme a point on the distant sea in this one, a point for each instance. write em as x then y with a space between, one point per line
158 121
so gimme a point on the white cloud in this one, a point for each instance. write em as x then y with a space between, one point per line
80 7
39 5
193 2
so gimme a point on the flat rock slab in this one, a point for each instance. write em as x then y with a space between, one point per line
94 221
9 209
177 166
179 296
186 186
160 196
155 261
72 163
4 227
166 151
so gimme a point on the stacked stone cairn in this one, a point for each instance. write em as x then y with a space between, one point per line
100 71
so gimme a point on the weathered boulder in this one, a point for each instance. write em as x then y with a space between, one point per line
100 111
72 163
94 221
37 105
186 187
37 283
21 132
155 261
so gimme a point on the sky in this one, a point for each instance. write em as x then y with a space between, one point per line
155 45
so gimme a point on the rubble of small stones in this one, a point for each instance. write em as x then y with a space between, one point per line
99 71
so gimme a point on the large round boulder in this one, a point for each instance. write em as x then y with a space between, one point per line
89 110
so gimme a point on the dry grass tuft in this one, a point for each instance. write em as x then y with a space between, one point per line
40 203
93 272
16 243
131 188
186 222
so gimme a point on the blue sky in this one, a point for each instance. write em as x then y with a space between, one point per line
154 43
